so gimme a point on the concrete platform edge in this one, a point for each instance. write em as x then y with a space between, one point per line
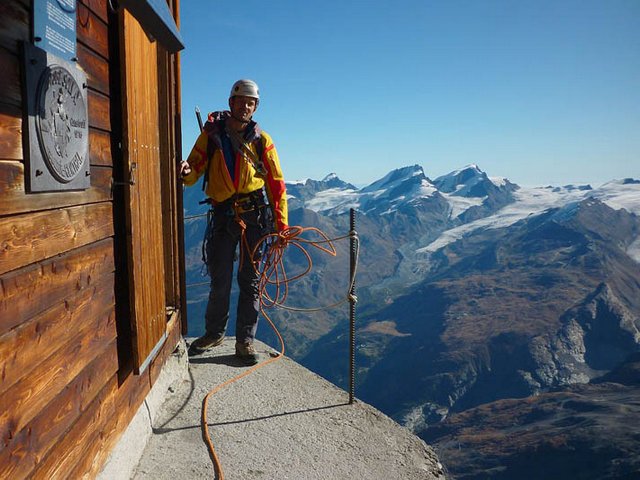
127 453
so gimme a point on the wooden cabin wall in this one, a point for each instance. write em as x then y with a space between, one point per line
64 396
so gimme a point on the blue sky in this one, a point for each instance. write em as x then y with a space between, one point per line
541 92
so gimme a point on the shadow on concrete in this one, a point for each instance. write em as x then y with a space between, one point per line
160 428
254 419
276 415
229 360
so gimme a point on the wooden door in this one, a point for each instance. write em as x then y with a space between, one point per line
141 148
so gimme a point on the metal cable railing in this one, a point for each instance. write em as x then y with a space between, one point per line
189 217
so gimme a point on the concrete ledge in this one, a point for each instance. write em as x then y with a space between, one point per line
125 457
281 422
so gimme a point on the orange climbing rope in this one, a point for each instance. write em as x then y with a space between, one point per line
272 272
217 465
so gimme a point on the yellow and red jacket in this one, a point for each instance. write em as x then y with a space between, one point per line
221 185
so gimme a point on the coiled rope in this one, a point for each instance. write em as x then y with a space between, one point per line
271 271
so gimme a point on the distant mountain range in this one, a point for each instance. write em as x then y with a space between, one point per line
473 290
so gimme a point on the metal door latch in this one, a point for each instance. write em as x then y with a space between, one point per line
132 178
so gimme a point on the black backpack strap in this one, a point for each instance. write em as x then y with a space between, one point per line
259 143
211 148
205 180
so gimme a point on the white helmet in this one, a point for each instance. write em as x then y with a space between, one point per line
246 88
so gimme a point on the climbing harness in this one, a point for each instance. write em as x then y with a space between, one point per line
228 215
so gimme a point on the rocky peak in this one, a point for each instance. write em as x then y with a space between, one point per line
459 179
407 175
471 181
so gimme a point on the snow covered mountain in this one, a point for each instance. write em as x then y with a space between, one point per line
474 200
617 194
334 197
464 189
301 192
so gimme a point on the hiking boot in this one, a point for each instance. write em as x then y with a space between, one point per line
247 353
205 343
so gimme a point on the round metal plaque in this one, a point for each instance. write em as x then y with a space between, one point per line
61 123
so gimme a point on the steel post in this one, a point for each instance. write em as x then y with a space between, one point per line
352 306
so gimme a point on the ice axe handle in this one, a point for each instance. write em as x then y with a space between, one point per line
199 118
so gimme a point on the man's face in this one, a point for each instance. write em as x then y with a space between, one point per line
242 108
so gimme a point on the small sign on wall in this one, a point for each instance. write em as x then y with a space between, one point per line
54 27
58 123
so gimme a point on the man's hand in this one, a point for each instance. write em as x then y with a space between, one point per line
185 168
286 234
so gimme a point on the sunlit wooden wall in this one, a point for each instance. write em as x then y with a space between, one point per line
68 384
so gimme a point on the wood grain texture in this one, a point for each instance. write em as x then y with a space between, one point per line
97 7
62 408
91 30
22 348
99 110
30 238
100 148
10 133
85 447
22 453
170 184
22 402
96 68
132 393
73 449
14 199
129 398
30 291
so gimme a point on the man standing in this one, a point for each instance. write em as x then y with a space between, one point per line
245 185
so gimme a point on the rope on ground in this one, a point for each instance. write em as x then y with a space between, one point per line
217 465
271 271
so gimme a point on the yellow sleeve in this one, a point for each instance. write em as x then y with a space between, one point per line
276 189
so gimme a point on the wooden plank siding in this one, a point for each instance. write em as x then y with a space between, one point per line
66 392
14 24
99 110
36 236
131 395
29 291
13 198
100 148
96 68
10 133
32 443
81 438
32 394
10 81
41 336
92 29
